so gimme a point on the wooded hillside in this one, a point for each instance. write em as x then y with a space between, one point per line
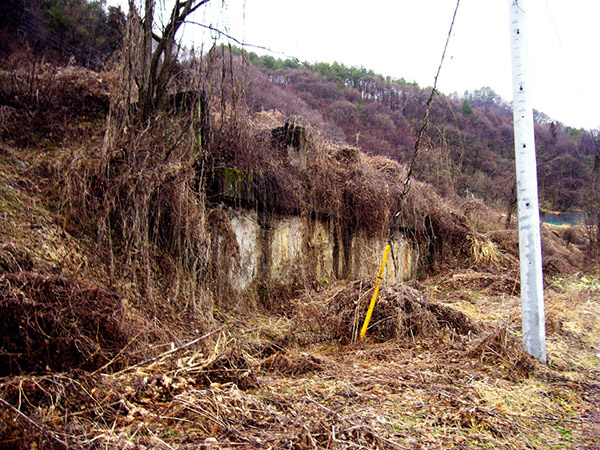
469 145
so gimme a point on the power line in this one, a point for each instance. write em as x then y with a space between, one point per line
554 26
228 36
425 121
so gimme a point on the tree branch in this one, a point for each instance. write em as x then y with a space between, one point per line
228 36
34 423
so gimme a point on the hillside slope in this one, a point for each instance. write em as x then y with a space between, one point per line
127 337
470 139
443 366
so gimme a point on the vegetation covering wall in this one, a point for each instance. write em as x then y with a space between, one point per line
469 149
169 266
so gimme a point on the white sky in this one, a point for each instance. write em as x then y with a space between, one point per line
405 38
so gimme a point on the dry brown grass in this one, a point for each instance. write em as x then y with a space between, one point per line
42 103
125 283
56 323
403 393
264 382
402 312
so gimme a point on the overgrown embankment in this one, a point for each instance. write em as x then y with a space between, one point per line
119 329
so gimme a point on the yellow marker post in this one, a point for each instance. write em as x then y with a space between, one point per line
363 331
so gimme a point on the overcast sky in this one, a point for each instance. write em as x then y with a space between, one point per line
405 39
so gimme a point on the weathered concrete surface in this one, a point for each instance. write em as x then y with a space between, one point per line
286 254
288 249
244 271
366 253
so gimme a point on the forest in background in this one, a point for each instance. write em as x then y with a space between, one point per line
469 143
81 32
469 148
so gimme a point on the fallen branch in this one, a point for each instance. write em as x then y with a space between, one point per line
32 422
339 441
174 350
116 357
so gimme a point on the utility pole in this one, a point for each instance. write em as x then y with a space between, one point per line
530 245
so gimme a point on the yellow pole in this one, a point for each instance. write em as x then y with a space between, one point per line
363 331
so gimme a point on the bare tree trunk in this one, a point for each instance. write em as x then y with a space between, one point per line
145 90
160 53
511 206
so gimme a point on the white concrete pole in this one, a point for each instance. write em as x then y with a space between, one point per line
530 246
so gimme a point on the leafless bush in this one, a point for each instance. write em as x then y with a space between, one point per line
39 101
402 313
56 324
141 195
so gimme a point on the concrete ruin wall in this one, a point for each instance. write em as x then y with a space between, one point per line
285 250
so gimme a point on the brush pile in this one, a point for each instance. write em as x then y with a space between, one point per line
248 390
54 323
43 103
401 312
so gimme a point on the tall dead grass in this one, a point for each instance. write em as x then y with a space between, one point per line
41 102
141 194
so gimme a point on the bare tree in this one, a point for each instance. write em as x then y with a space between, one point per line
159 51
